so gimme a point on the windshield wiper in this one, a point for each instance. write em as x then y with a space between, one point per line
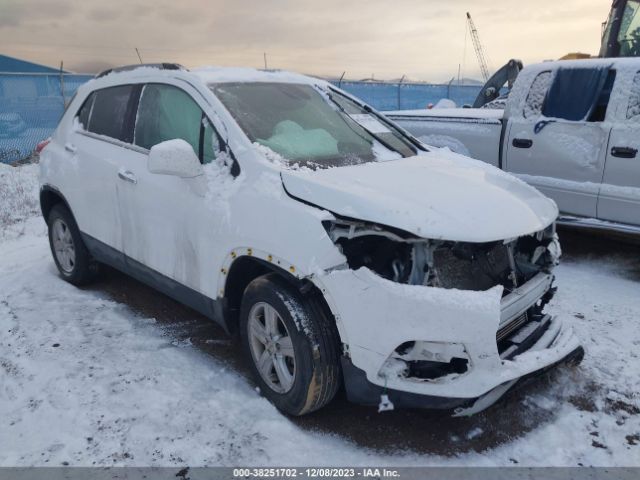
408 139
384 143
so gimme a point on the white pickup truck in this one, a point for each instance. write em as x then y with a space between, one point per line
569 128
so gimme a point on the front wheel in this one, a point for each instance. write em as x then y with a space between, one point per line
292 345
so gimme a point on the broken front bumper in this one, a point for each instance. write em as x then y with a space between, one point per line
375 316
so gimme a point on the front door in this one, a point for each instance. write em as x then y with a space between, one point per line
166 223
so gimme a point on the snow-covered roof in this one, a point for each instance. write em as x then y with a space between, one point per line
207 75
213 74
618 63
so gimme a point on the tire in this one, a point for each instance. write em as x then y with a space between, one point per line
70 254
314 373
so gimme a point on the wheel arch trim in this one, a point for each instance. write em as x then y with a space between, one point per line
274 264
47 190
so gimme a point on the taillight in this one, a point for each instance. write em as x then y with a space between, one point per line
41 145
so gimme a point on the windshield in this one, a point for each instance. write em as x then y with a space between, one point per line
629 35
311 127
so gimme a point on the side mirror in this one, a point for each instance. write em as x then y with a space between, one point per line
174 157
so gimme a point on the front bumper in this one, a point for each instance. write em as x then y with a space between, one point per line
375 316
361 391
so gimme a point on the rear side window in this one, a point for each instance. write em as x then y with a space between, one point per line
579 94
633 110
537 93
85 111
167 113
109 112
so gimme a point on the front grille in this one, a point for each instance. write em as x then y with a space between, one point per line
511 327
472 267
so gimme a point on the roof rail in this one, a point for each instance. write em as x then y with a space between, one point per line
126 68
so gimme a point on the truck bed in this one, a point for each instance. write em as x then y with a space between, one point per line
474 132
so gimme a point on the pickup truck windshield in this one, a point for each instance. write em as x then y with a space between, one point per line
629 35
311 127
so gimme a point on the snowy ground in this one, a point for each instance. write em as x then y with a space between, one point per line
118 374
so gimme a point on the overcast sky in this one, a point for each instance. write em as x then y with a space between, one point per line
423 39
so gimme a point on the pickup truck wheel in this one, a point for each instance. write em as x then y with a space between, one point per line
291 345
70 254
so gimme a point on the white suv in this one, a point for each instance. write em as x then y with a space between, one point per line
341 249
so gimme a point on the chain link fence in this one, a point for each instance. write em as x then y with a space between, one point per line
30 107
31 104
408 96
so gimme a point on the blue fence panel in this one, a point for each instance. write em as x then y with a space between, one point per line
409 96
30 107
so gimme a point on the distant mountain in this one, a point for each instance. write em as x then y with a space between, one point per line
468 81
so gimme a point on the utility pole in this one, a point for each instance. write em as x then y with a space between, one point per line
478 48
265 60
138 53
399 87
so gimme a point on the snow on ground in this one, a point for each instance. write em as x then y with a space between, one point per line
89 381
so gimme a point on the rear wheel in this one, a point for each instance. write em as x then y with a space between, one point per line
292 345
71 256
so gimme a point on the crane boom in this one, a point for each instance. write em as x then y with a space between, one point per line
475 38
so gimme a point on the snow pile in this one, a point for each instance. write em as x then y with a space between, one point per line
221 184
270 155
445 141
279 161
445 103
19 190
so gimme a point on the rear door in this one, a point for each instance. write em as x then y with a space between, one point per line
619 199
95 146
557 143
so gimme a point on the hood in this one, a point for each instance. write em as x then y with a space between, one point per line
438 195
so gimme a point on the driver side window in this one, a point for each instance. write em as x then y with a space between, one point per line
537 94
166 113
633 109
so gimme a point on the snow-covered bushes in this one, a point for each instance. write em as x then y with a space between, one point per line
18 194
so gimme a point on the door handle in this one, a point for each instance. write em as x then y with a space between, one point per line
70 147
127 176
522 142
624 152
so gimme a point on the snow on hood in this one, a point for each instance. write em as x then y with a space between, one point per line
438 195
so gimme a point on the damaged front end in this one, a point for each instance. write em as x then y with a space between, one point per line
403 258
457 340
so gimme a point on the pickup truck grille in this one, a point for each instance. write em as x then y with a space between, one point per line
511 327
